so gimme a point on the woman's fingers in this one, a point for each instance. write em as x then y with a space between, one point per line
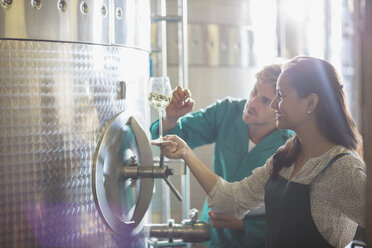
163 143
221 216
169 150
171 146
167 146
221 220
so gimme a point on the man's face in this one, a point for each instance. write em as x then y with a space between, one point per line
257 110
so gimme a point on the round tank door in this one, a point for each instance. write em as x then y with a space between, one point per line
122 201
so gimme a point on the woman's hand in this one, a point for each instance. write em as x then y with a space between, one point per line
173 147
221 220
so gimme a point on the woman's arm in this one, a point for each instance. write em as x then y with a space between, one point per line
234 198
174 147
206 177
349 187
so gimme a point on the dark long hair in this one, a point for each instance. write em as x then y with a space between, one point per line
309 75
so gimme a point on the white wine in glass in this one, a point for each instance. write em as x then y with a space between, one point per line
160 95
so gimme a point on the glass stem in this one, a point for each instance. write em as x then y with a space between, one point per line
161 125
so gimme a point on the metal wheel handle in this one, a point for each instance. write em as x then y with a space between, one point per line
122 202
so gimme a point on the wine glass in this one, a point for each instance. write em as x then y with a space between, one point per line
160 94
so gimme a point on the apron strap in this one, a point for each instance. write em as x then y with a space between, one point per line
330 163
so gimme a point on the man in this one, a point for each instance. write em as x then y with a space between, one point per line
245 136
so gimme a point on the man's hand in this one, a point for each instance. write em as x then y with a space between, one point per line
181 103
221 220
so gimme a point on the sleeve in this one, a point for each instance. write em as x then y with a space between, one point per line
198 128
238 198
350 188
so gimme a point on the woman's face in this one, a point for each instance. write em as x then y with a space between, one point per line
290 109
257 110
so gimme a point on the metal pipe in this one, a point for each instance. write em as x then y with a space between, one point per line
135 172
188 232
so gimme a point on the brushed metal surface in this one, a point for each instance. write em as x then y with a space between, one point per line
225 33
133 28
55 100
215 45
124 22
224 12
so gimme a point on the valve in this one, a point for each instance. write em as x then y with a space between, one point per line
193 214
134 171
123 175
122 203
191 230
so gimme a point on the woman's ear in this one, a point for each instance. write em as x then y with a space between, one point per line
312 102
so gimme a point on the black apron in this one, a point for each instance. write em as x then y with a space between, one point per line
288 214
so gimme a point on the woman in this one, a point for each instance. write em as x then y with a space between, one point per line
314 186
245 136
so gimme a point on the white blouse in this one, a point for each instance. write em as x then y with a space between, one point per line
337 195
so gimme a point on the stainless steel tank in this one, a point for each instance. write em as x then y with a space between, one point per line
66 68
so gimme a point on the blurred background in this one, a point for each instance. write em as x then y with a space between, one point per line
228 41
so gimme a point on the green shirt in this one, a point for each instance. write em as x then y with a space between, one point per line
222 124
